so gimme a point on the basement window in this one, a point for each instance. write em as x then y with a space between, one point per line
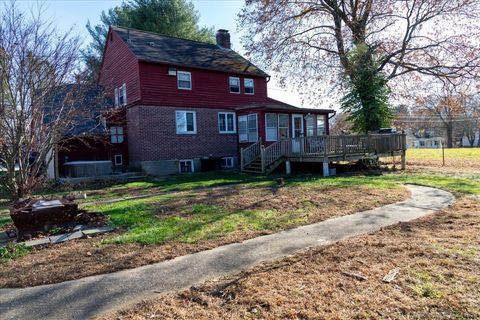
185 166
227 162
118 160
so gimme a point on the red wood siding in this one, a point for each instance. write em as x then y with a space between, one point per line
120 66
209 88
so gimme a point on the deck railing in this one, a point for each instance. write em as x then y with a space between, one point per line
250 153
325 146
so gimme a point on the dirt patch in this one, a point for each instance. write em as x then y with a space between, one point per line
81 258
438 257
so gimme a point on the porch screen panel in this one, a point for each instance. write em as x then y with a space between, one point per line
283 126
310 126
252 128
320 125
271 128
243 128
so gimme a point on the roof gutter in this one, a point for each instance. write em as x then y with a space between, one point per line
333 115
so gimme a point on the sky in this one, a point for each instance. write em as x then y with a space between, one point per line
73 15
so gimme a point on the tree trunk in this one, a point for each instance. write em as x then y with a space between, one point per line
449 128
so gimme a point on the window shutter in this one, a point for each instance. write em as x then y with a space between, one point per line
116 97
124 88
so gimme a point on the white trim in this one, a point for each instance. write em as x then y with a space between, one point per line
115 160
230 86
194 121
245 87
226 131
185 160
228 166
178 79
124 91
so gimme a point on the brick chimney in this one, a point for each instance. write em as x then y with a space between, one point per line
223 38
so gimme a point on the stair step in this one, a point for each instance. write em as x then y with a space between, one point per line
251 171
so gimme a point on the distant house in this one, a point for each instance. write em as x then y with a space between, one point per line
191 106
476 142
427 143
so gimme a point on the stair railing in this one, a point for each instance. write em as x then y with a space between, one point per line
250 153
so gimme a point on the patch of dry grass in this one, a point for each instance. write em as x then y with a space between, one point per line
439 258
293 206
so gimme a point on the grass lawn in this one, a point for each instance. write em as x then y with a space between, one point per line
439 278
162 227
456 158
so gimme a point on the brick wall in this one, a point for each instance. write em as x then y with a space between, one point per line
152 135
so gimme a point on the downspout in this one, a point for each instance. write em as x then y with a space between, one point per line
328 122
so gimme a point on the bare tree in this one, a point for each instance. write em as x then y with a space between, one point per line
445 105
35 61
471 125
309 41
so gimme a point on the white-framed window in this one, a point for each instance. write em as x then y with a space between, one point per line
118 160
226 122
227 162
320 125
184 80
185 166
186 122
234 83
249 85
248 128
121 96
271 127
283 120
311 122
116 134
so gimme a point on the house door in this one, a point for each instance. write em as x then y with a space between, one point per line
297 132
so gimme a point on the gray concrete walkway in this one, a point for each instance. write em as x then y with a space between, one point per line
84 298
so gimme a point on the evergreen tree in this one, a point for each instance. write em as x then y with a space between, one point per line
366 101
169 17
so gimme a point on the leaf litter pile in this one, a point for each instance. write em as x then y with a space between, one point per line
432 266
80 258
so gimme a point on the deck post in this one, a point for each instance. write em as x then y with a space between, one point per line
288 168
326 168
404 160
241 159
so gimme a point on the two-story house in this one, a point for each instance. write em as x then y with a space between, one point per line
190 105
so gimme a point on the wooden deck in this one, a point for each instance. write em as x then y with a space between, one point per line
260 159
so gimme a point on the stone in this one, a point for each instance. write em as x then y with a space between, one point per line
97 230
37 242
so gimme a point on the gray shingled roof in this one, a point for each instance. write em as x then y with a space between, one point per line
275 105
153 47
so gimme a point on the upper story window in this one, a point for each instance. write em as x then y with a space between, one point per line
248 128
184 80
186 122
234 84
116 134
121 96
249 86
226 122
